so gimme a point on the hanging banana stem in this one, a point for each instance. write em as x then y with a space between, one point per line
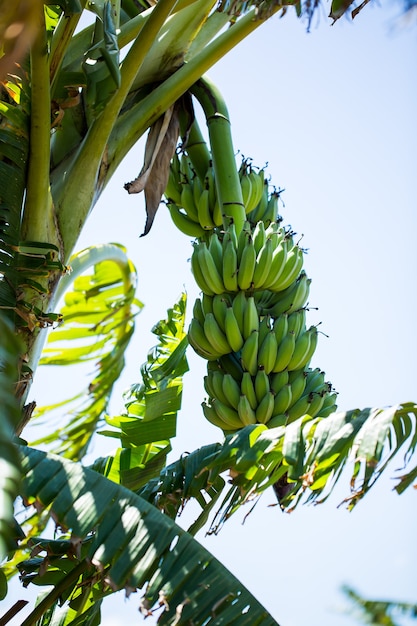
228 186
197 150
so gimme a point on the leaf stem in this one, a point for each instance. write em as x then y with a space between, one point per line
72 202
228 186
61 40
38 219
135 121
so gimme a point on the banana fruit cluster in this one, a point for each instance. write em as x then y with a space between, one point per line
250 325
193 203
250 321
260 258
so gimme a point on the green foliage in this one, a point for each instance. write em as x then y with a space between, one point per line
98 322
148 425
379 612
124 542
306 458
10 349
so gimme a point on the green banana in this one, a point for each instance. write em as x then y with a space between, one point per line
261 384
216 384
296 322
280 327
187 202
204 213
197 188
263 264
278 380
267 353
316 403
231 390
198 274
304 349
227 414
277 264
242 238
173 189
215 335
217 214
230 364
293 265
259 236
245 411
208 267
303 291
284 352
265 408
246 187
292 298
257 213
246 265
250 318
208 385
265 325
257 179
199 342
271 211
329 405
315 380
211 415
185 224
239 305
249 353
277 420
219 310
298 409
232 330
186 171
282 400
210 184
301 350
206 304
198 311
248 389
297 380
230 269
216 250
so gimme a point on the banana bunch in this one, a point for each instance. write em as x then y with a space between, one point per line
193 203
257 364
274 400
259 259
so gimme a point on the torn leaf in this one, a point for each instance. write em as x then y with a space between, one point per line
153 177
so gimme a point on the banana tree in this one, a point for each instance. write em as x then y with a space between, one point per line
70 113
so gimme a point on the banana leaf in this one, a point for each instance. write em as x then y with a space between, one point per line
98 322
10 349
133 546
303 463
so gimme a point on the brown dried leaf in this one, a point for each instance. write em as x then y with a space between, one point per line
153 178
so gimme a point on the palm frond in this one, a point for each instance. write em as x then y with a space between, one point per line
10 349
98 322
150 420
302 461
124 542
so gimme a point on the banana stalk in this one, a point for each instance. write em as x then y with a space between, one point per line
228 187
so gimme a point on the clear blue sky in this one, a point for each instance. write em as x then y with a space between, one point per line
333 114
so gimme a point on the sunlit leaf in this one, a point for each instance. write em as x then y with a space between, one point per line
98 322
134 546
